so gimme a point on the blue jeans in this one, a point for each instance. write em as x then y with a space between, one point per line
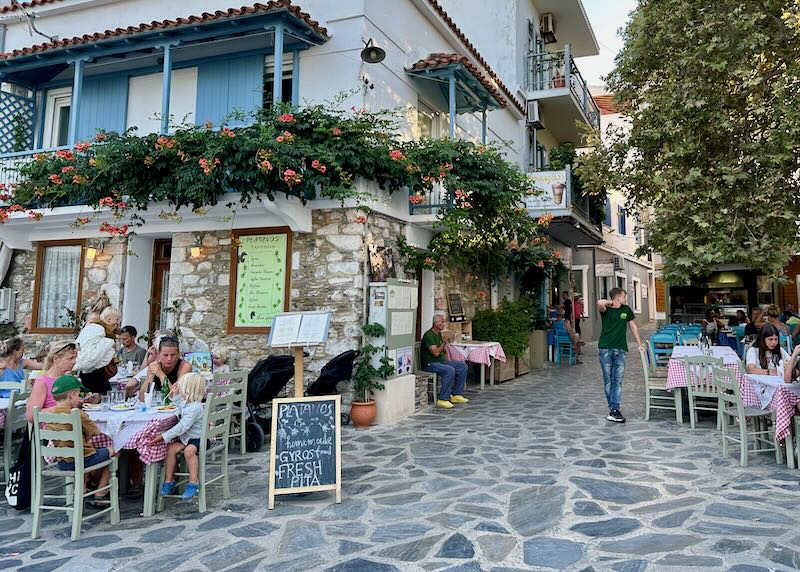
98 456
449 372
612 364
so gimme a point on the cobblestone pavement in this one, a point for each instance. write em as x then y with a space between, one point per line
529 476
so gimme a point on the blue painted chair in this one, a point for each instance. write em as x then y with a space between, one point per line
663 343
739 331
688 339
786 343
563 345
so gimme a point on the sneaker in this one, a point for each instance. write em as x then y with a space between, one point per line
166 488
615 416
444 404
191 491
458 399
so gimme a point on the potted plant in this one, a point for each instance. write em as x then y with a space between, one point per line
509 325
366 377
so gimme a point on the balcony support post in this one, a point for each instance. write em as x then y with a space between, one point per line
567 65
166 87
483 126
75 102
452 103
277 79
296 77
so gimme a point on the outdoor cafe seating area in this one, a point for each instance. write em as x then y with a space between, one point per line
755 414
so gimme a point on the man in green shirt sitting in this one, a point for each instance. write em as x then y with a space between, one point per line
453 374
616 317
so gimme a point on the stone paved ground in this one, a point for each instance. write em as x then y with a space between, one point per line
529 476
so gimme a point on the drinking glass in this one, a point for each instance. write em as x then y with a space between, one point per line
105 402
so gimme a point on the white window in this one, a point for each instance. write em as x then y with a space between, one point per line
637 294
56 118
144 100
58 276
428 122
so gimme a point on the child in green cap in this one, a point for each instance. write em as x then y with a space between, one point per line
66 392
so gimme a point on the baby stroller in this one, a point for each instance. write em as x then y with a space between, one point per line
337 370
264 383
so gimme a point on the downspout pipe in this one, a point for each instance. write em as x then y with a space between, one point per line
3 29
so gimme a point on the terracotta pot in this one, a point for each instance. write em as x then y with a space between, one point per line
559 82
363 413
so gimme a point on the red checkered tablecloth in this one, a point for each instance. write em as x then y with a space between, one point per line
476 352
2 419
141 440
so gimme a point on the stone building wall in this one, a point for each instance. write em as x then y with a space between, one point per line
475 291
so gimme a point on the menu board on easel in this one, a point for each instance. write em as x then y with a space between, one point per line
260 270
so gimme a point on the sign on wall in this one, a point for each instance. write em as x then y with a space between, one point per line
259 288
604 270
553 193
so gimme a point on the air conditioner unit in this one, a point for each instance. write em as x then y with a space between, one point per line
617 263
7 303
547 29
534 116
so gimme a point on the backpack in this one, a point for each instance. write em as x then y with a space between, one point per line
18 485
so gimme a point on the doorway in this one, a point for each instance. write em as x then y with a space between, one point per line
159 291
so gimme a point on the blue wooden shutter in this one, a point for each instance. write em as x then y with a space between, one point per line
607 208
104 105
227 85
622 220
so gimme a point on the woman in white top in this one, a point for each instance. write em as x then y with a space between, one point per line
767 357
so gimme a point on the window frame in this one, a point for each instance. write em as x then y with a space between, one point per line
234 271
622 222
41 246
56 100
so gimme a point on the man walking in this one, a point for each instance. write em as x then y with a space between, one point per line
452 374
616 317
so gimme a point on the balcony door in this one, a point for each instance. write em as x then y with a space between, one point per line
159 291
56 120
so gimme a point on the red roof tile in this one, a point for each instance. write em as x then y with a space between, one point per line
606 104
461 36
29 4
168 24
441 60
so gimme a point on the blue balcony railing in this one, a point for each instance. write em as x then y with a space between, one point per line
557 70
431 203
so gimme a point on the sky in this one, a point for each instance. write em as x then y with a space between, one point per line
606 17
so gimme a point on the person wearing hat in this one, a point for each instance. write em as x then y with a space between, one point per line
66 392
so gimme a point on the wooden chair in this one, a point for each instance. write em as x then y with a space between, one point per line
216 429
656 393
731 406
663 344
688 340
419 371
656 371
702 392
235 384
14 425
74 496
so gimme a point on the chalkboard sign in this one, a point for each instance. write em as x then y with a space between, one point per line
306 446
454 304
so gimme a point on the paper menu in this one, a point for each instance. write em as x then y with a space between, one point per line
313 328
402 323
285 328
299 328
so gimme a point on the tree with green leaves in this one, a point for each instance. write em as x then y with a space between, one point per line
711 145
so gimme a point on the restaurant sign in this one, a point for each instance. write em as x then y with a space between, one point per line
552 193
260 279
604 270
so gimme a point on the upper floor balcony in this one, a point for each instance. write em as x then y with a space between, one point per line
152 76
553 79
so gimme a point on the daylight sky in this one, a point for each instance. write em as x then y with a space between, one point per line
606 17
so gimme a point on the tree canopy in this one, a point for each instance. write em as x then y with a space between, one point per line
711 149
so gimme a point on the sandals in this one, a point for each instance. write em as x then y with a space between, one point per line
101 502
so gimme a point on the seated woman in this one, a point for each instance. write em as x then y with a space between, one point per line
712 326
767 357
774 318
563 323
740 319
61 356
13 364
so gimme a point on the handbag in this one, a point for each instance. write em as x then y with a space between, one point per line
111 369
18 485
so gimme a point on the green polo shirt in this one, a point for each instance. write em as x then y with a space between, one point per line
430 338
615 328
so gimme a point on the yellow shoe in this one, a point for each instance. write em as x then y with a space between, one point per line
458 399
444 404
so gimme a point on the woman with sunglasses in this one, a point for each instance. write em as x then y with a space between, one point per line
61 356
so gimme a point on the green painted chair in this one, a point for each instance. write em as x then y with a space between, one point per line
15 425
731 407
235 384
703 395
216 430
656 395
74 496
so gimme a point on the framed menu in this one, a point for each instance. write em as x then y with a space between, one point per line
260 275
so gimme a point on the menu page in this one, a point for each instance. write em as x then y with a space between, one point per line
260 279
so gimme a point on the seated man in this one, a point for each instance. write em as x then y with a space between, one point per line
130 350
452 374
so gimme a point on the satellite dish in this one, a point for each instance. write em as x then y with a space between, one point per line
372 54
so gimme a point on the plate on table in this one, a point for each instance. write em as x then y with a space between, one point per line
122 406
166 408
92 407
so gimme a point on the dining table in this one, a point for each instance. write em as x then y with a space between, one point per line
773 393
676 369
483 353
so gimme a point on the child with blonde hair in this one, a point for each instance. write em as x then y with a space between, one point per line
188 394
219 359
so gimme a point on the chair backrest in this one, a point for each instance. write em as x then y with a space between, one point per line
15 414
739 331
645 366
727 387
786 343
662 345
42 436
233 383
687 339
699 374
216 419
652 356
